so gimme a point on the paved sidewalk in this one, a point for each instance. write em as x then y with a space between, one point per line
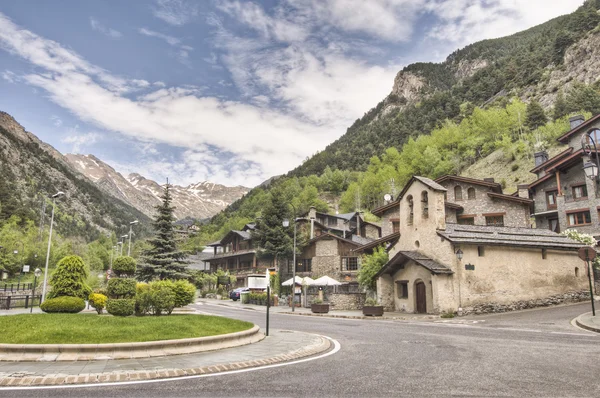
351 314
280 346
589 322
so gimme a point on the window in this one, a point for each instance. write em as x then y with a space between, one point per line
579 218
402 289
304 265
553 225
480 251
471 193
595 134
425 204
395 226
331 221
494 220
551 199
409 199
580 192
350 263
466 220
457 193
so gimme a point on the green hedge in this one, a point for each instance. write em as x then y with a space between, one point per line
185 293
67 304
124 266
121 288
120 307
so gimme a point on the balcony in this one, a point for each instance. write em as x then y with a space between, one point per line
235 253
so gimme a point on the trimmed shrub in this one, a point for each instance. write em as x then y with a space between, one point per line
121 307
64 304
98 301
69 279
162 296
124 266
143 299
185 293
121 288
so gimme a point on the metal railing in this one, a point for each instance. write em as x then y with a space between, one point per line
26 301
15 287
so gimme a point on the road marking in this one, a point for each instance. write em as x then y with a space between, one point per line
336 348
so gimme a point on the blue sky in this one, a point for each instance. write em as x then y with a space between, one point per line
227 91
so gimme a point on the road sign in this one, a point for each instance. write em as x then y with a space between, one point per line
587 253
26 268
223 280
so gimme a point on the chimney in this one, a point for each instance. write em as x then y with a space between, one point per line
312 227
576 121
312 212
523 191
540 157
488 180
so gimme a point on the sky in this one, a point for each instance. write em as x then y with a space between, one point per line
226 91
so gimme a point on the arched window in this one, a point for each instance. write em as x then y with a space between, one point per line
457 193
409 200
471 193
424 204
595 134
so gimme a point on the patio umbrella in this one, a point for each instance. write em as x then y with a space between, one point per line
326 281
291 280
308 281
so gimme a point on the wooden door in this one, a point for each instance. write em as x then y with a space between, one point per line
421 298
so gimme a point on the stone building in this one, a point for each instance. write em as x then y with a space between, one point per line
500 265
564 198
343 225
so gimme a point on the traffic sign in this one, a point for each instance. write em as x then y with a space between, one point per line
587 253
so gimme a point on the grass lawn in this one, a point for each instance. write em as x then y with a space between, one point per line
99 329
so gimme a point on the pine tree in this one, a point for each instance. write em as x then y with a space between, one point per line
273 238
536 117
163 260
560 106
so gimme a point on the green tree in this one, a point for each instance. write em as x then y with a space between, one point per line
370 266
560 106
68 279
536 116
163 260
583 98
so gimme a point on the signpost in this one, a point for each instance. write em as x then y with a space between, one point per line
588 253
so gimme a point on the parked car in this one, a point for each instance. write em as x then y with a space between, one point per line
235 294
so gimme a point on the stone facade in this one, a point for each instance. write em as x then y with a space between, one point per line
488 272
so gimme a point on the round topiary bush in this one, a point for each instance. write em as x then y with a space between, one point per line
65 304
121 288
120 307
185 293
124 266
162 296
98 301
69 279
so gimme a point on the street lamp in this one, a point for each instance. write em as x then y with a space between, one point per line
119 249
123 242
588 143
56 195
36 275
286 223
459 254
20 265
130 233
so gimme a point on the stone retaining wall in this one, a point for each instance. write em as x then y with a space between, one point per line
342 301
489 308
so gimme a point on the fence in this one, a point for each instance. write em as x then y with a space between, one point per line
10 302
16 287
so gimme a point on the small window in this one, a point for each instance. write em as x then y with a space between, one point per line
471 193
495 221
466 220
457 193
544 254
480 251
331 221
579 218
576 271
595 134
551 199
395 226
402 289
580 192
425 204
350 263
411 214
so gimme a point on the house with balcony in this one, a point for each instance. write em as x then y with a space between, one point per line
564 198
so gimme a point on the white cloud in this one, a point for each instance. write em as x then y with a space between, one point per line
10 76
98 27
56 121
181 52
80 141
176 12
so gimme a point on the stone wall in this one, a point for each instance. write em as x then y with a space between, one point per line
489 308
342 301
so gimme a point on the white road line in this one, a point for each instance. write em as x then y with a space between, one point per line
336 348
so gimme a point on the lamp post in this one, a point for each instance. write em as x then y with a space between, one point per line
21 257
130 233
459 256
588 143
119 247
36 274
286 223
56 195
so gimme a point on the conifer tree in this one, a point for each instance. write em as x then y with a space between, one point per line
163 260
560 106
536 117
273 238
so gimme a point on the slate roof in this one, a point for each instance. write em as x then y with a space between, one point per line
395 263
430 183
345 216
389 238
361 240
494 185
507 236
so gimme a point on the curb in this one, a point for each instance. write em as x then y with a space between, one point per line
90 352
586 326
375 318
23 379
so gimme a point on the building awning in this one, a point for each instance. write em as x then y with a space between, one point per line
545 213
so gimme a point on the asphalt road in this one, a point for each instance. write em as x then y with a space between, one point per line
532 353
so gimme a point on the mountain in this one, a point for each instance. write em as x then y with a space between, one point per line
31 171
537 63
200 201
